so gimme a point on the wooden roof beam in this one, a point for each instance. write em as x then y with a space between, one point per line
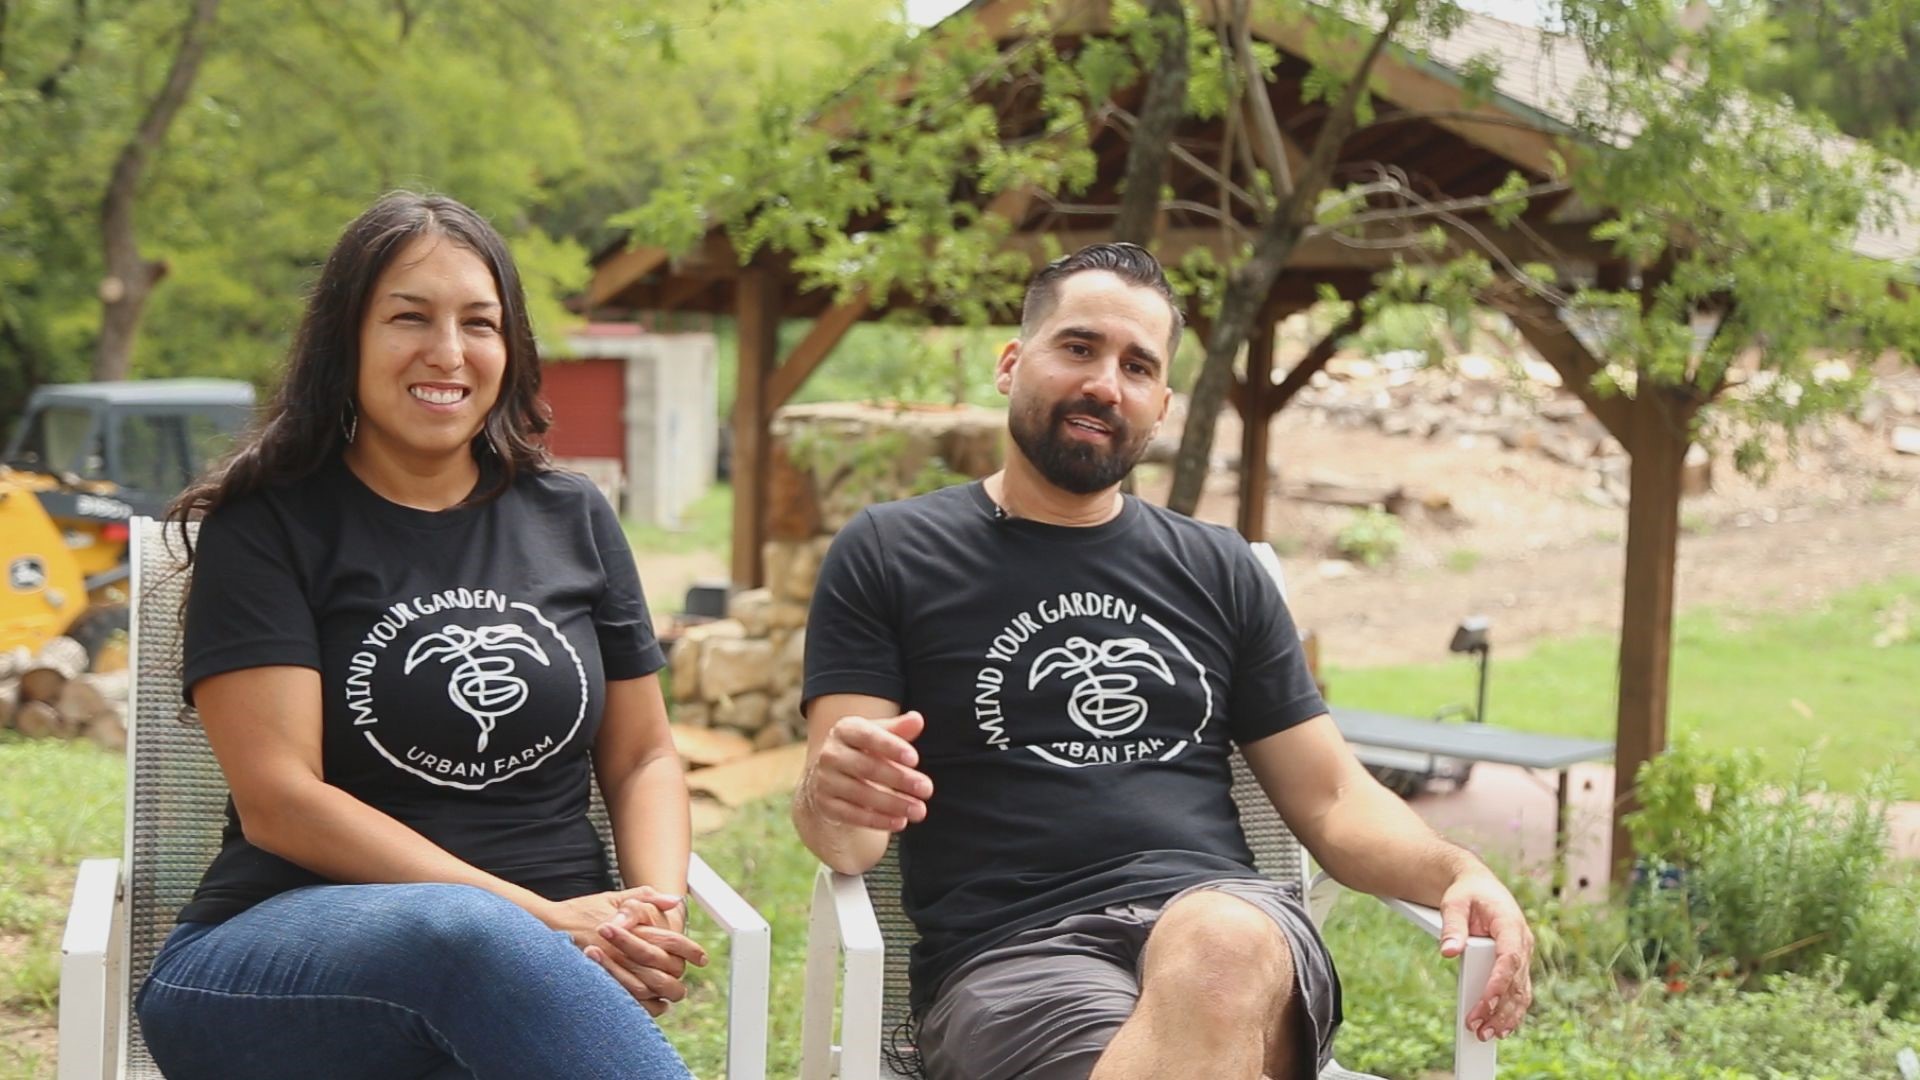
612 275
712 257
1540 324
828 329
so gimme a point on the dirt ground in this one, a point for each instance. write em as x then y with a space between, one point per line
1533 542
1533 548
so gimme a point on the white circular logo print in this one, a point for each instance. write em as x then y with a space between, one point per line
1076 679
466 688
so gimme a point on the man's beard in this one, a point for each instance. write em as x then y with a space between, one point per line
1070 464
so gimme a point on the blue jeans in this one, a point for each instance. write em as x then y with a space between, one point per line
440 981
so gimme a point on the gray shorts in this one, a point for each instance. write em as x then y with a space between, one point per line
1043 1004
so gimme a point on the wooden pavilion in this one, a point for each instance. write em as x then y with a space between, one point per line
1447 145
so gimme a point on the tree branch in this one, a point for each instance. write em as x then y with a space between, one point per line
49 87
1159 115
1249 286
1406 116
1192 161
1054 205
129 277
1273 145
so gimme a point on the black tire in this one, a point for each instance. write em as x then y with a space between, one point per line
97 627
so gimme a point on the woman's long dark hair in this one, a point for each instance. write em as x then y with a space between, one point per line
305 425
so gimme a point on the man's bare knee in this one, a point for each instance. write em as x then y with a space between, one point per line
1220 948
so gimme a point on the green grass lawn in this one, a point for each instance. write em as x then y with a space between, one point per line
706 525
1736 681
1776 683
59 803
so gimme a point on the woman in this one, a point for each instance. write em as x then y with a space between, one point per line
413 647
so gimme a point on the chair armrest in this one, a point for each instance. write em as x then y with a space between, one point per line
93 953
1472 1059
842 924
750 959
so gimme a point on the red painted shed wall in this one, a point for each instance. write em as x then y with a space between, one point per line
588 398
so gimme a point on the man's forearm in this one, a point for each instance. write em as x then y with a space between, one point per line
845 848
1375 843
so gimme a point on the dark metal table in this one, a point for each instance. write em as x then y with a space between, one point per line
1479 742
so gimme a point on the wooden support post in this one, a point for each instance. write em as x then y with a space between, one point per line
757 320
1255 422
1658 437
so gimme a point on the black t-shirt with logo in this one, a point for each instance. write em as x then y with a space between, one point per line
463 657
1082 689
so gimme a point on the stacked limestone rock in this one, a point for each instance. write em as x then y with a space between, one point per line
737 681
742 673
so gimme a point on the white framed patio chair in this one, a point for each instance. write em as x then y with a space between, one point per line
124 908
858 933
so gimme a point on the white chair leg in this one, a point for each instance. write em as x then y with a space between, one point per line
92 968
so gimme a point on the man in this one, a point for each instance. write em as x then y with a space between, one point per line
1037 681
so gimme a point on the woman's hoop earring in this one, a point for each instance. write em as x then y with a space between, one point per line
350 422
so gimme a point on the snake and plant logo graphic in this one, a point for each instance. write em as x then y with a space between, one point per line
466 687
483 683
1103 702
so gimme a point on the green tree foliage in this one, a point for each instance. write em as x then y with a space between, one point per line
544 115
1856 61
1741 209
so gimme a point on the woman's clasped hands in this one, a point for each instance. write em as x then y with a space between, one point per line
637 936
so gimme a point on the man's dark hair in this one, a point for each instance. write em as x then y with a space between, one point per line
1131 263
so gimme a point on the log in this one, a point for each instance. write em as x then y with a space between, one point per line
1396 499
42 684
38 720
80 704
108 731
59 660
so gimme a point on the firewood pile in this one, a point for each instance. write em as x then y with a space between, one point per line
51 695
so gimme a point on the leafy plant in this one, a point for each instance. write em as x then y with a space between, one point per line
1745 881
1883 959
1679 792
1371 536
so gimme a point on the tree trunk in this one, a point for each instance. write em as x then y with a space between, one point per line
1659 430
129 277
1166 102
1249 285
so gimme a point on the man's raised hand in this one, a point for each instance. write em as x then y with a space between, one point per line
867 775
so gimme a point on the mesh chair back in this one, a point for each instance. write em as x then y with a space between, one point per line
1275 853
176 795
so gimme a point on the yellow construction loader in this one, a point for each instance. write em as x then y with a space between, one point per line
83 461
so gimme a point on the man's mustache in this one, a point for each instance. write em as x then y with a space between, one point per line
1092 410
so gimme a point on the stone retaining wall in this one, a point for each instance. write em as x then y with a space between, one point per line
742 674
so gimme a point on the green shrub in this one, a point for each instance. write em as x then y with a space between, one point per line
1372 536
1744 881
1680 792
1883 957
1788 880
1791 1026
